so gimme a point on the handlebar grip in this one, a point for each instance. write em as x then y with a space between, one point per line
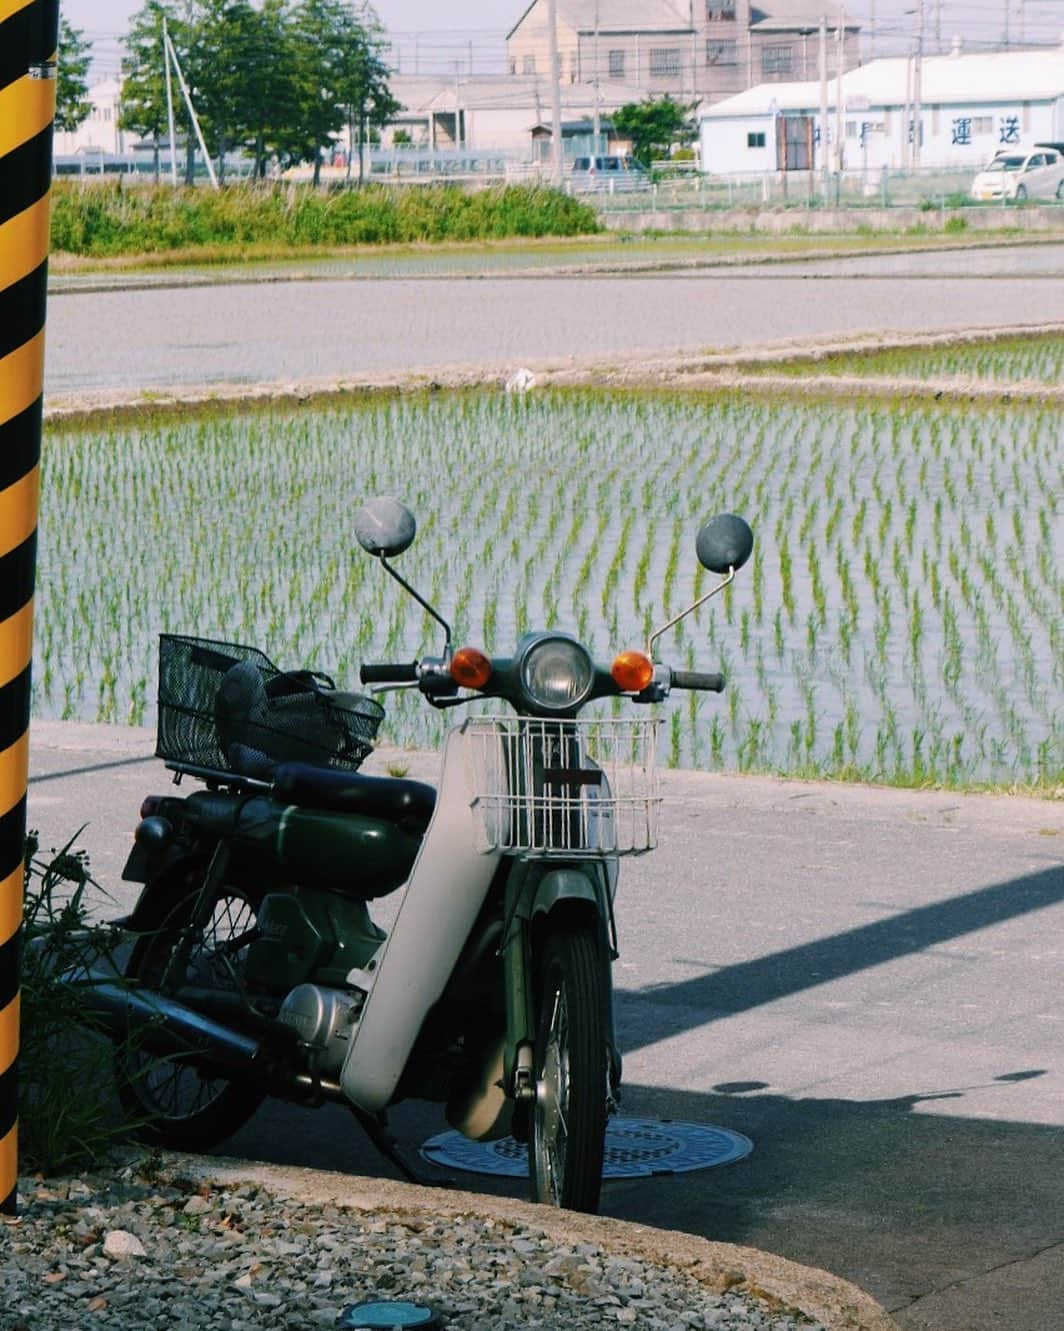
403 672
697 679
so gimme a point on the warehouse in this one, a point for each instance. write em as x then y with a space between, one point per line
966 106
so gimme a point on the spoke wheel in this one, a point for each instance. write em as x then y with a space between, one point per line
565 1148
171 1100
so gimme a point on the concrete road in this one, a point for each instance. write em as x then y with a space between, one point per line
150 339
867 982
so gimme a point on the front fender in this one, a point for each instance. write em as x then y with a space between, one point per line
568 884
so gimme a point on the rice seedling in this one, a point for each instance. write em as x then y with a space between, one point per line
893 624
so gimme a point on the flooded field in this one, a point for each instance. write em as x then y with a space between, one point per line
901 619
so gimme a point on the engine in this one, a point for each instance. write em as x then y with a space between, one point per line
324 1019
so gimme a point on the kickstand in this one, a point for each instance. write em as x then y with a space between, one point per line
376 1129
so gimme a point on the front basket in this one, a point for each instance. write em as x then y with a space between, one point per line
565 789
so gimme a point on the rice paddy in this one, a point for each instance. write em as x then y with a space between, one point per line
1036 360
901 620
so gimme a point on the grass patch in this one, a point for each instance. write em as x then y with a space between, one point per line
110 218
67 1119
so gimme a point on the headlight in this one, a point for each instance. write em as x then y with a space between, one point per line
557 674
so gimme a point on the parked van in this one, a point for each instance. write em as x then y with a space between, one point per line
1022 173
609 172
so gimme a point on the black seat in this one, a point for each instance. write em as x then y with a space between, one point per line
407 803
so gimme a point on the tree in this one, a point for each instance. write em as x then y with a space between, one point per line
655 125
363 84
72 103
320 31
143 109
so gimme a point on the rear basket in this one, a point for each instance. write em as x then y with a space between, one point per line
228 709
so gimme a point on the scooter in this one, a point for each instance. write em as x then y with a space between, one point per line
256 968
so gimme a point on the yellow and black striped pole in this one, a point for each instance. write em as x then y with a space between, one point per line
28 40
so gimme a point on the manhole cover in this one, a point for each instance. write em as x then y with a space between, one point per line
635 1148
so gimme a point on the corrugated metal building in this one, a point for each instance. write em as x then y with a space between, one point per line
969 107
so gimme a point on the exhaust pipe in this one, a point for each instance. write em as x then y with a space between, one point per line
161 1025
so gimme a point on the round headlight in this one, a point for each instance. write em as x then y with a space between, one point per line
557 674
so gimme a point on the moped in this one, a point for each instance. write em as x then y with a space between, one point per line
256 968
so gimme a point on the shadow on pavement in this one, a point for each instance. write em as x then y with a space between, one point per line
750 984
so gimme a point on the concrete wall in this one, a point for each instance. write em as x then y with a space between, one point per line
830 221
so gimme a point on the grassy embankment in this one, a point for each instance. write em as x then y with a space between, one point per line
110 219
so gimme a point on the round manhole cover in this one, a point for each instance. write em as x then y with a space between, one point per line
635 1148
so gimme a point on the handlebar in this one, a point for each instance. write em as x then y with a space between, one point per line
697 679
402 672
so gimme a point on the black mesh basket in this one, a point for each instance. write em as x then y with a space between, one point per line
226 708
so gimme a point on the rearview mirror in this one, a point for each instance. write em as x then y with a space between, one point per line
384 526
724 543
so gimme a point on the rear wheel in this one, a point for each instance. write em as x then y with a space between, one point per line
566 1142
171 1100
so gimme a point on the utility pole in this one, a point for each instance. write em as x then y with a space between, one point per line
192 111
840 51
457 109
823 58
918 74
555 94
28 40
169 104
907 115
597 128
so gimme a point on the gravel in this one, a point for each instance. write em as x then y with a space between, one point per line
139 1247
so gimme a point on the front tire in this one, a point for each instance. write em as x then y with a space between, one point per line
567 1138
170 1101
1021 194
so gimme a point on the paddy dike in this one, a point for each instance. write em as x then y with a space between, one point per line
748 368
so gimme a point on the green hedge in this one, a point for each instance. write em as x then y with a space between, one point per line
113 218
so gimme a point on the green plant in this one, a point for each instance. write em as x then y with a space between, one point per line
66 1119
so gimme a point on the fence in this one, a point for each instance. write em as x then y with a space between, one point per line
927 188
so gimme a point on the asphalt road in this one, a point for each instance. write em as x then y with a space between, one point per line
299 330
866 982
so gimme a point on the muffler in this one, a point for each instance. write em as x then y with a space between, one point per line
161 1025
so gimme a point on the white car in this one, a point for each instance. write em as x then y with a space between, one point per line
1020 174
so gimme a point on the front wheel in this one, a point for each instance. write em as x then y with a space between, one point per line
566 1144
1021 194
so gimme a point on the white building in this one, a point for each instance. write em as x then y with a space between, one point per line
98 132
969 107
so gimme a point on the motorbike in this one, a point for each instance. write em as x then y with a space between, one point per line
256 968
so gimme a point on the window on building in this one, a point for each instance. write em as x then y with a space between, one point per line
720 9
982 124
722 53
755 139
528 64
616 64
664 62
777 60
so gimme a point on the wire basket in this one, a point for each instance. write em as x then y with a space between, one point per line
228 709
565 789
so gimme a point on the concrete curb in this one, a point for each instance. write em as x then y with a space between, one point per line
836 1303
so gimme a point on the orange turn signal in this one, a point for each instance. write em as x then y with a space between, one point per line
632 671
470 668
